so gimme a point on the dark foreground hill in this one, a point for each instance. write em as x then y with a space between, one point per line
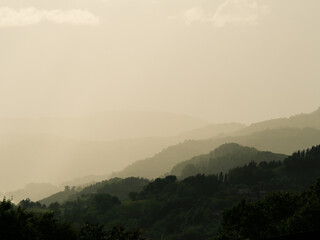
192 208
17 223
281 215
118 187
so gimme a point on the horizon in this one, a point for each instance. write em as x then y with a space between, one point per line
208 121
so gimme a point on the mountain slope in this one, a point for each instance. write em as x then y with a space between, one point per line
212 130
56 159
70 158
192 208
304 120
118 187
222 159
284 141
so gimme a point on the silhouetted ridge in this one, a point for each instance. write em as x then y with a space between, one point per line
282 140
222 159
116 186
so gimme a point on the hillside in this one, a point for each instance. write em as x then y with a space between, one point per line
211 130
192 208
70 158
222 159
82 160
59 149
162 162
280 216
120 188
284 141
304 120
60 197
56 159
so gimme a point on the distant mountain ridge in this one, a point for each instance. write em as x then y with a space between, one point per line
303 120
56 159
212 130
74 158
282 140
68 156
282 135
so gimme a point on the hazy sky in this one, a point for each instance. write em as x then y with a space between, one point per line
221 60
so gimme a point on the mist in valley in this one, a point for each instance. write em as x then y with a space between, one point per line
107 105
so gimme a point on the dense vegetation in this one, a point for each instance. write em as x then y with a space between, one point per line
192 208
116 186
19 223
279 214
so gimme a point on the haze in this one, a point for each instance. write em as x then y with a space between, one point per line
159 119
222 61
91 86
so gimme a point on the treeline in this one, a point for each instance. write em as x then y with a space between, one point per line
18 223
279 214
115 186
222 159
192 208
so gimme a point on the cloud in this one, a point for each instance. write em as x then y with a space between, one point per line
230 12
239 13
196 14
31 16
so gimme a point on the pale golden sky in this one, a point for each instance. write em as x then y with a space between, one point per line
220 60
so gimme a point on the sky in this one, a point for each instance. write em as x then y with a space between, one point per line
219 60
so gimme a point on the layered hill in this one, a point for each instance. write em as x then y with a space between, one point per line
222 159
192 208
57 159
211 130
304 120
283 140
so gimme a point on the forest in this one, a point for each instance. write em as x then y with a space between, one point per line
159 119
253 201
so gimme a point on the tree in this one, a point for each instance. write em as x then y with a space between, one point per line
18 223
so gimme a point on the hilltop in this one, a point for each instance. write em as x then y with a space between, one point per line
222 159
283 140
303 120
